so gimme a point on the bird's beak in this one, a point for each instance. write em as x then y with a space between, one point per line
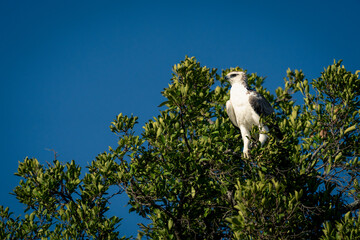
226 78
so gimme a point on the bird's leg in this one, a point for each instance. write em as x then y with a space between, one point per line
245 134
263 136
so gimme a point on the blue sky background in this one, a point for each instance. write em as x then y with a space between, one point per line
67 68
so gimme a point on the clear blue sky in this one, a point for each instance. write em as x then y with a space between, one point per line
67 68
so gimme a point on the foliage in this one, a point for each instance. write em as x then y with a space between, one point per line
63 206
185 172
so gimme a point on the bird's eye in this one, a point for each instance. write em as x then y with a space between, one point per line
233 75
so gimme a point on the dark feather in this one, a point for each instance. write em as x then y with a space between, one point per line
261 106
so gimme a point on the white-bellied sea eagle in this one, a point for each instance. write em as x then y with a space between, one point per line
245 108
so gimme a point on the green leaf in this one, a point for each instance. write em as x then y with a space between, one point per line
170 224
349 129
193 192
158 132
164 103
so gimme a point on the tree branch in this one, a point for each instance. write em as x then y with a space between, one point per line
350 207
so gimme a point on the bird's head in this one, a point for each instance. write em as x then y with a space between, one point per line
236 77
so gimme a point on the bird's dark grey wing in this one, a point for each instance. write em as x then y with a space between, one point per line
231 113
261 106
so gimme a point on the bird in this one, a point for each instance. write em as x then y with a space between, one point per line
245 108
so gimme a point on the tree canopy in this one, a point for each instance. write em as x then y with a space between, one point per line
186 174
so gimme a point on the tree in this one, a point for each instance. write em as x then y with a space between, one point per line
187 175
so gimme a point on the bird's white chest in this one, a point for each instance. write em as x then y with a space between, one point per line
245 114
